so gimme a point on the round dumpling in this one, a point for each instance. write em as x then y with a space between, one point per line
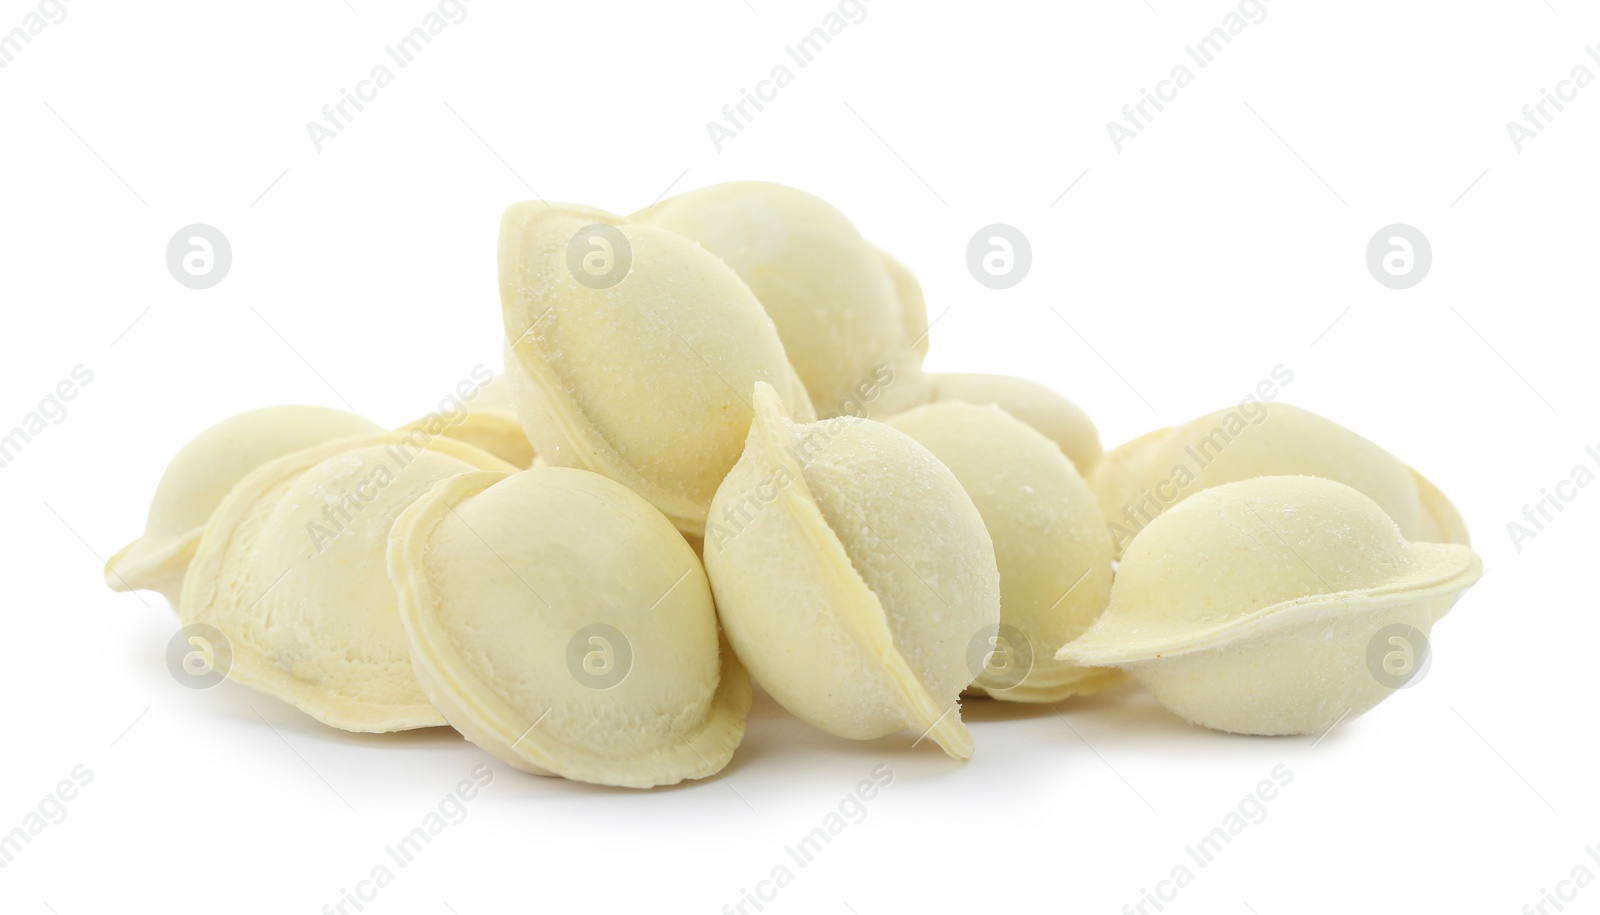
202 472
1050 546
1054 416
563 624
852 572
631 351
291 571
1273 606
843 308
1139 480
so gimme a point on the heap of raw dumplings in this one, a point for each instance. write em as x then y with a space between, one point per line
714 454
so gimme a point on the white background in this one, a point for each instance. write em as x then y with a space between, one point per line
1226 239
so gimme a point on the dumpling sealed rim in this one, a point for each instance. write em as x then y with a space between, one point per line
1112 643
487 429
158 559
573 353
1050 542
473 704
1138 481
232 535
1439 569
858 610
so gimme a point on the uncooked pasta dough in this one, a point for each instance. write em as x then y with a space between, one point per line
291 571
1050 545
1139 480
1273 606
202 472
844 309
484 418
583 564
631 351
561 623
1056 417
852 572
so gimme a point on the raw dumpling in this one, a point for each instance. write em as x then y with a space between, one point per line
1273 605
1056 417
1050 545
852 572
291 570
202 472
836 300
563 624
483 417
631 351
1137 481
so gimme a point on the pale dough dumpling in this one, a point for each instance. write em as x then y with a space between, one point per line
836 300
851 572
1137 481
1050 545
1268 606
631 351
202 472
291 570
484 418
913 307
563 624
1056 417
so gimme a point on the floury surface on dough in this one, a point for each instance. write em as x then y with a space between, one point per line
1054 416
849 315
852 572
209 465
1139 480
291 572
631 351
1270 605
1050 546
202 473
561 623
481 415
581 564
